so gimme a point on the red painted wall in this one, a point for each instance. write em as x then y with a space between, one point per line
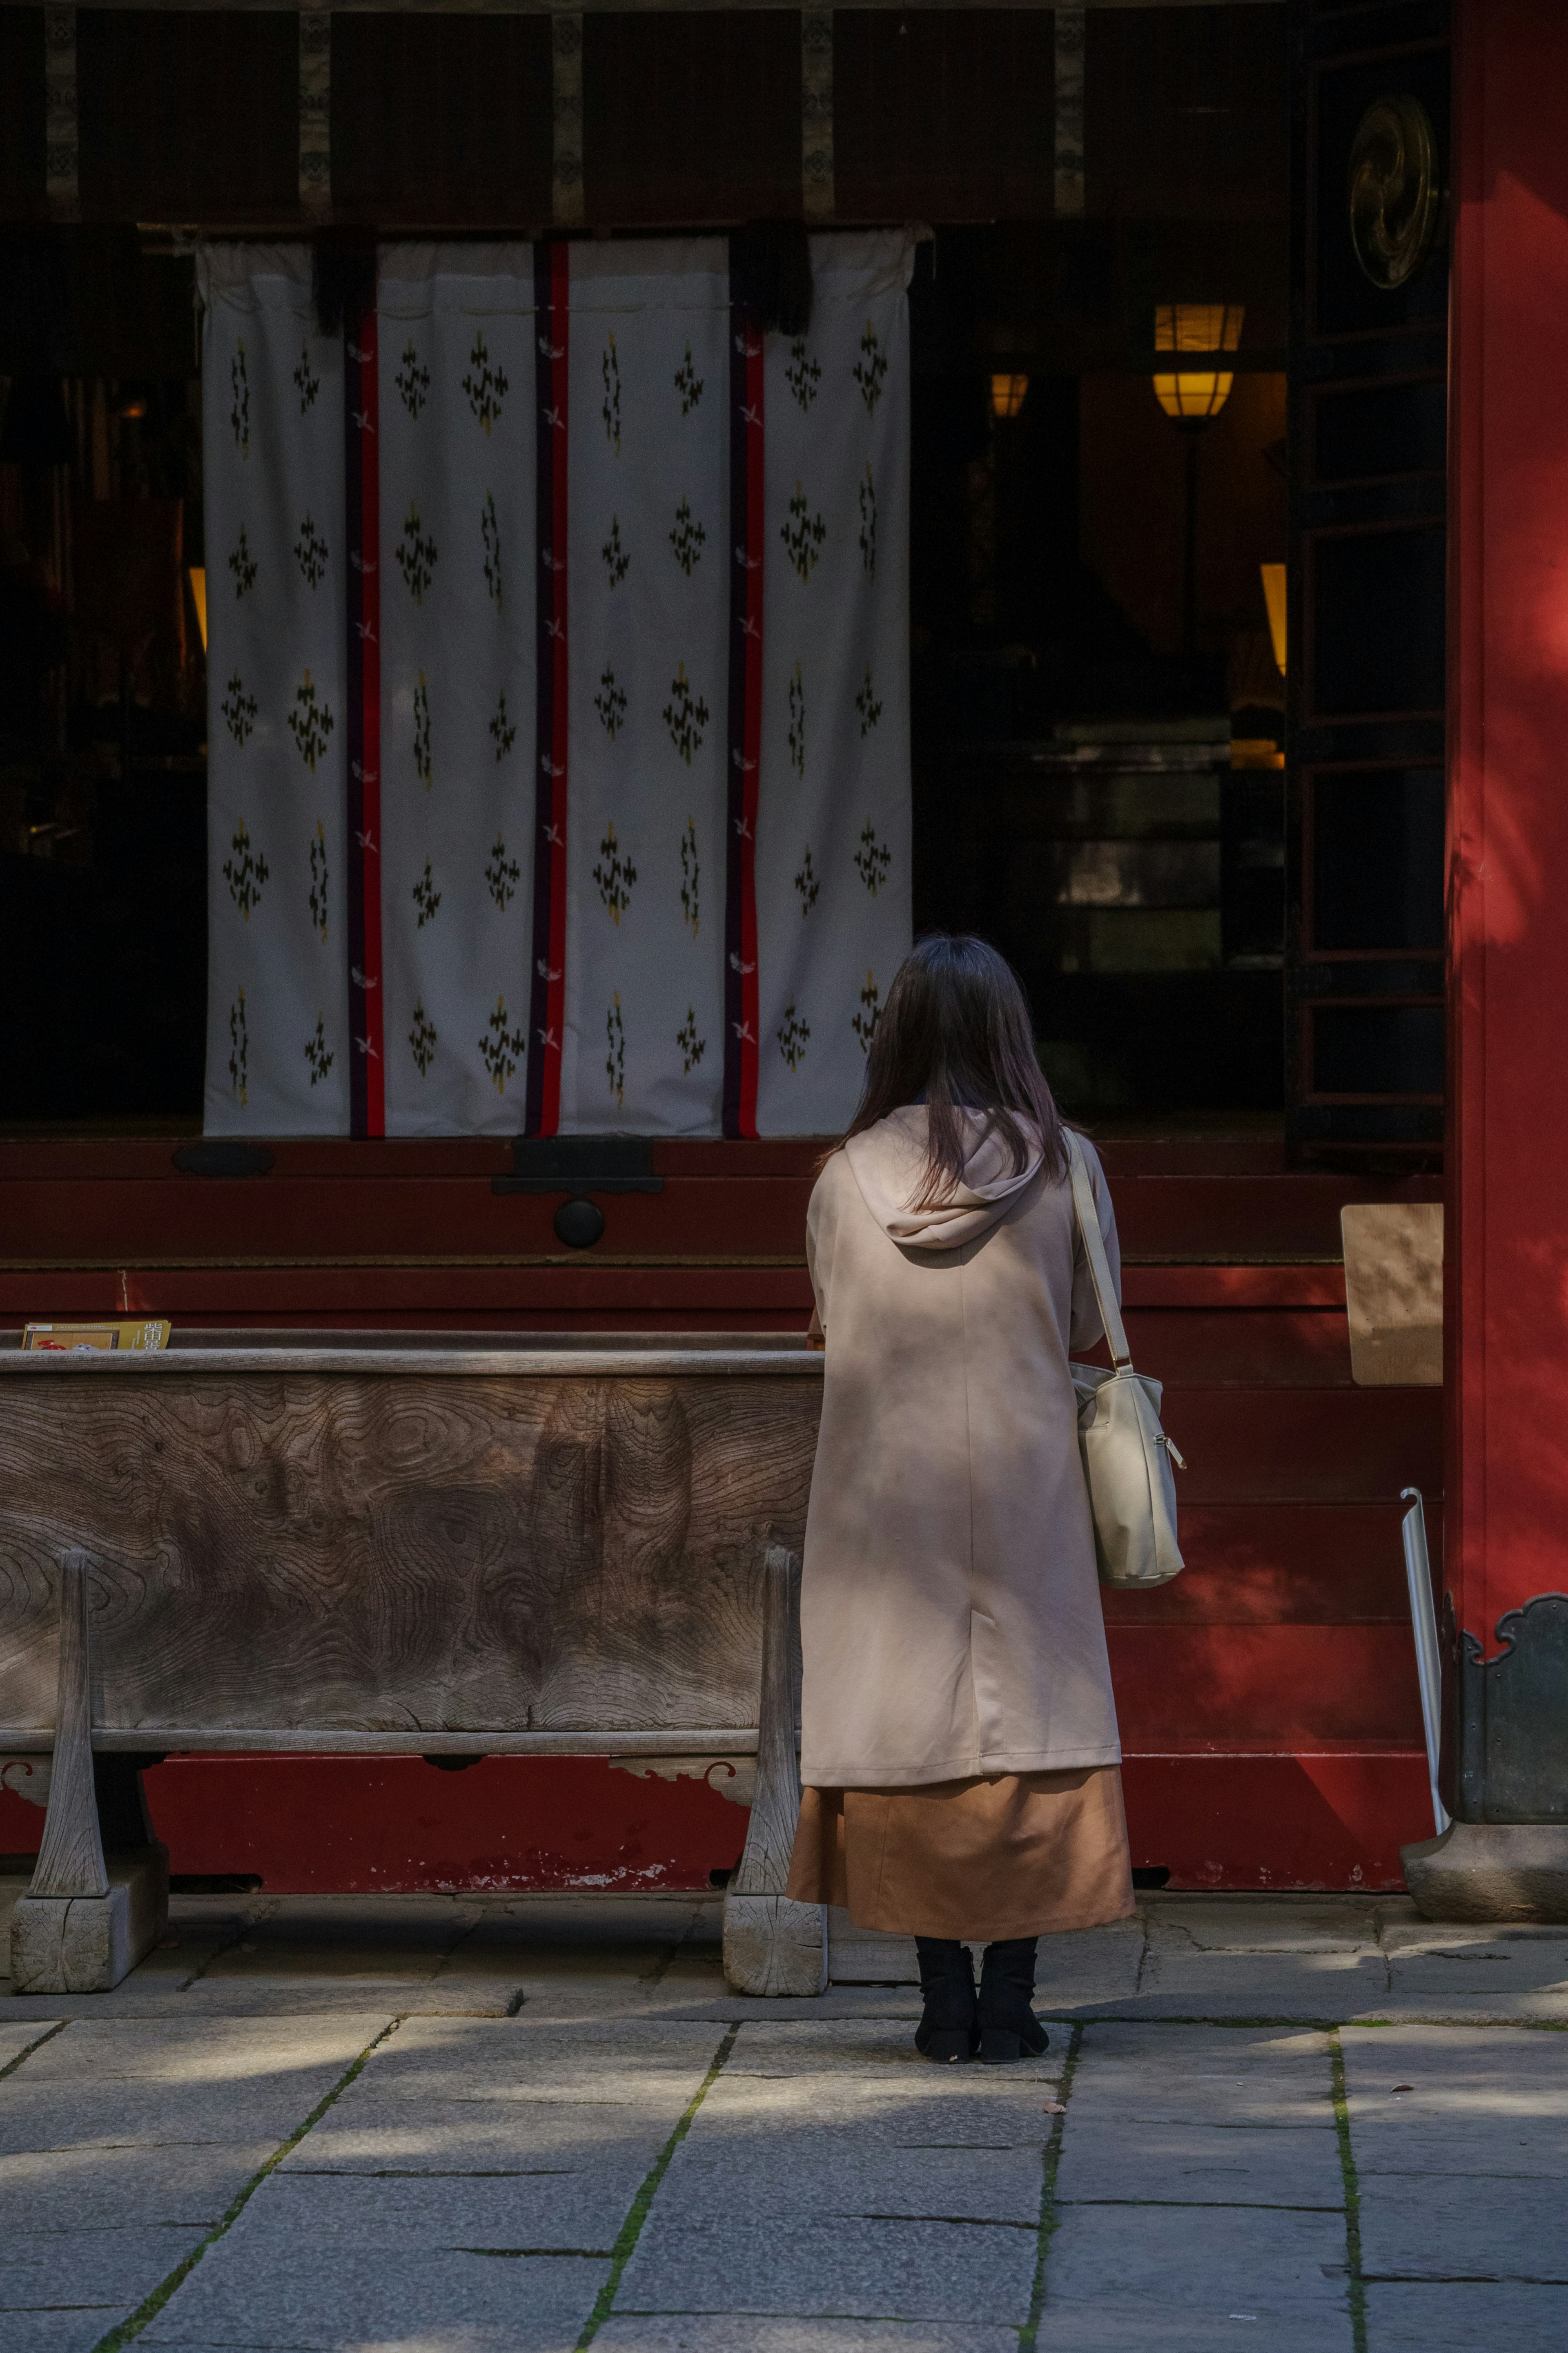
1268 1698
1507 1308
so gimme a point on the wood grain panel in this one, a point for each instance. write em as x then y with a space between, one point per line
372 1552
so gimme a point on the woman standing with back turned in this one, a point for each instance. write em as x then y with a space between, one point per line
958 1745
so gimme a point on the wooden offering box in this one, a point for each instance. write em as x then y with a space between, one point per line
390 1542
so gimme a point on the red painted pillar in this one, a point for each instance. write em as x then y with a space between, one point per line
1506 1531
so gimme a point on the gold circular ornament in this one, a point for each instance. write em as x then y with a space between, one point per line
1395 199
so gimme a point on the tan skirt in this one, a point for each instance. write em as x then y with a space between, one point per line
1024 1854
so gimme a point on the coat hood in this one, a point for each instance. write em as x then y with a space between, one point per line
887 1162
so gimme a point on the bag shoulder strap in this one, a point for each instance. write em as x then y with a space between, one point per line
1088 1217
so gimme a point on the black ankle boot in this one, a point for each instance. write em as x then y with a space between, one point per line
947 2027
1008 2027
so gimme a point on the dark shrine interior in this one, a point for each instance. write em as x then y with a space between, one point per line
1079 698
1099 705
1141 903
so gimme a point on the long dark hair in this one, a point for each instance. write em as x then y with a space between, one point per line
957 1029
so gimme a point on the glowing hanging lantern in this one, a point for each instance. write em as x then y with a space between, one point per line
1007 393
198 577
1194 397
1274 597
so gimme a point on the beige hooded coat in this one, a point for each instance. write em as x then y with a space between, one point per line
949 1608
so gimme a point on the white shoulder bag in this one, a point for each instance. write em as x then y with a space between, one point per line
1127 1456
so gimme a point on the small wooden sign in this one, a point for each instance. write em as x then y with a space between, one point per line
1393 1292
70 1336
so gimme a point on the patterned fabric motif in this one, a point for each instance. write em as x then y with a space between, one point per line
361 502
278 1052
457 441
833 820
472 871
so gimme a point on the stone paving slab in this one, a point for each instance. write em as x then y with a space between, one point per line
1232 1924
571 1924
125 2188
1132 2280
306 2054
1506 1976
566 1958
696 2333
45 2117
627 2061
834 2192
1404 2318
577 2212
69 2331
801 2173
1411 1933
342 1935
1479 2100
513 2332
1214 2075
346 2299
112 2270
827 2046
698 2261
17 2035
1185 1980
1207 2163
459 2137
1455 2227
857 2113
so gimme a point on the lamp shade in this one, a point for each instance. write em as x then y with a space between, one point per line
1007 393
1194 395
1274 597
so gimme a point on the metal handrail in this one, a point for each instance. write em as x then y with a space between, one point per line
1423 1625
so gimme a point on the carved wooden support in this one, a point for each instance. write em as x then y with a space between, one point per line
772 1946
83 1923
70 1854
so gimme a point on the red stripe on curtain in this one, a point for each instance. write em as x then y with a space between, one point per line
552 280
746 487
361 472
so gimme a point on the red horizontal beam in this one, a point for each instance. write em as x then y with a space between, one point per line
1351 1446
563 1294
1281 1564
539 1298
1281 1823
558 1292
126 1202
1218 1688
309 1825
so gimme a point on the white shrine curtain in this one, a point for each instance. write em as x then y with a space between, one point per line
558 648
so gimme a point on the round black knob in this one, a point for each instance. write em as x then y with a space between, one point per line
579 1224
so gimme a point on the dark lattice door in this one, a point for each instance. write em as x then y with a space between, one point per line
1364 736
